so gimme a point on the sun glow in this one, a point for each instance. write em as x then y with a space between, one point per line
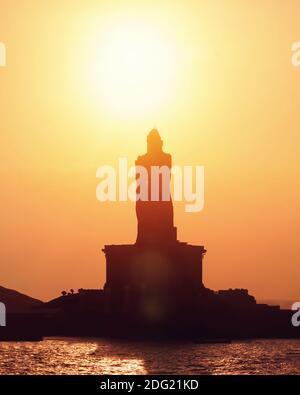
133 69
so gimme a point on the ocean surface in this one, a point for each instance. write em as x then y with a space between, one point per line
94 356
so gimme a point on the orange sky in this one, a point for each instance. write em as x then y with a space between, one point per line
227 98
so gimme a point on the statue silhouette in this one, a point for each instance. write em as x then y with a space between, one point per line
155 215
158 274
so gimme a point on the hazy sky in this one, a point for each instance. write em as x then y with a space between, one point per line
84 84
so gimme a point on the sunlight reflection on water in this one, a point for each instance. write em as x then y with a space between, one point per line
97 356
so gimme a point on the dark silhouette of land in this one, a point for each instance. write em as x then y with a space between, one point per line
154 287
24 321
17 302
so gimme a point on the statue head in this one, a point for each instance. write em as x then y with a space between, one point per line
154 141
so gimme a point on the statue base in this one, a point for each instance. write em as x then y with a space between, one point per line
152 279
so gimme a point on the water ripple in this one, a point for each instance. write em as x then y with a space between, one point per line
94 356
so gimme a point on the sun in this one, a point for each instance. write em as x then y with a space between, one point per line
133 68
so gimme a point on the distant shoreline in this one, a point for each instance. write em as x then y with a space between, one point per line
284 304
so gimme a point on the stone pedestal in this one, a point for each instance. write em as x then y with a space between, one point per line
148 277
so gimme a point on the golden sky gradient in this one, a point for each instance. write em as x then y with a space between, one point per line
84 84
